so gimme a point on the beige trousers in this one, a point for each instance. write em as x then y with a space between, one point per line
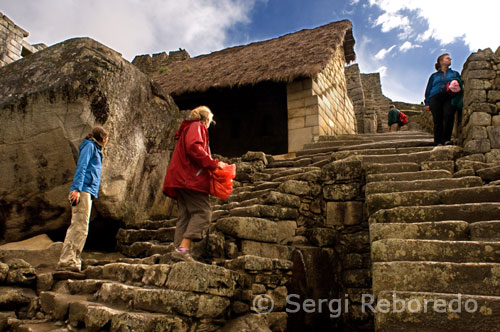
77 233
195 213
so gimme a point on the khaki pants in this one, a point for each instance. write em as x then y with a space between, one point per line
195 214
77 233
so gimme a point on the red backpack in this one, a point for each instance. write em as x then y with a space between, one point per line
403 119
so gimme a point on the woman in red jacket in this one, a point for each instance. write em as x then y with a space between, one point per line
188 180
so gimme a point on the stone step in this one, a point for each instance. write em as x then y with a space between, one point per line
436 154
378 168
388 250
442 277
258 229
375 202
377 136
415 185
150 224
127 236
485 230
409 176
387 151
471 195
447 165
477 313
480 194
471 212
97 316
246 195
335 143
444 230
333 147
266 211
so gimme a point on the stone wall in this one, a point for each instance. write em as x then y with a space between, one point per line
366 122
480 133
320 106
12 44
159 61
375 101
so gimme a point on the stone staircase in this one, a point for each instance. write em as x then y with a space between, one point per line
394 216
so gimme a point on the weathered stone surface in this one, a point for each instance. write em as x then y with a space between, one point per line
388 250
344 213
465 278
255 155
322 237
202 278
494 136
485 230
493 156
127 236
435 184
341 191
269 211
14 297
299 188
376 202
249 228
4 269
479 119
4 319
141 322
444 230
376 168
20 272
471 195
38 258
466 212
250 262
44 281
448 165
278 198
441 312
124 272
249 322
84 286
262 249
341 170
357 278
156 275
423 175
84 83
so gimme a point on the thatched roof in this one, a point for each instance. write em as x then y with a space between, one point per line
296 55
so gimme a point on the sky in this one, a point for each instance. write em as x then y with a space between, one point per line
400 39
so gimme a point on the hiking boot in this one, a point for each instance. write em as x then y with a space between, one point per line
182 254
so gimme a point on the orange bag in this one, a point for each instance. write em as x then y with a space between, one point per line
221 181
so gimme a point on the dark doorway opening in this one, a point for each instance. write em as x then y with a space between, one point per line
249 118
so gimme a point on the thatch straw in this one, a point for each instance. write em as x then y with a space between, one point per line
297 55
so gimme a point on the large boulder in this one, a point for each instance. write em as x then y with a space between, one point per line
49 101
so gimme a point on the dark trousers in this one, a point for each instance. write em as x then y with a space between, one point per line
195 214
443 114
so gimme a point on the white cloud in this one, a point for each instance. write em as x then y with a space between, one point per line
383 52
475 22
407 45
132 27
382 71
390 21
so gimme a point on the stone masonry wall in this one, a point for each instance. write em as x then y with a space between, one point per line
12 44
157 62
375 101
319 106
366 122
481 119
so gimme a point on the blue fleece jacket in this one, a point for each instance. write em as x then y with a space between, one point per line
437 83
88 169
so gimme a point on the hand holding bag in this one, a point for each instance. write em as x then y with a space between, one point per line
221 181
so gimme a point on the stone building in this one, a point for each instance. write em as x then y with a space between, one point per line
370 105
12 44
272 96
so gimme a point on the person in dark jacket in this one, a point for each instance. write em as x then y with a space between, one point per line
86 182
188 180
439 101
393 119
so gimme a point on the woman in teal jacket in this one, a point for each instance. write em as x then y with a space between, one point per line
85 185
438 100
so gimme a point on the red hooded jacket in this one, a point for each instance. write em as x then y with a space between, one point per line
191 161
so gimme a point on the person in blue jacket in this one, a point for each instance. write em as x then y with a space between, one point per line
439 101
85 186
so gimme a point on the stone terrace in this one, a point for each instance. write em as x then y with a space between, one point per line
382 214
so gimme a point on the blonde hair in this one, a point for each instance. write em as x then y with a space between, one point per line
203 114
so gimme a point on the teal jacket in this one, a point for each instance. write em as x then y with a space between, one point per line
393 116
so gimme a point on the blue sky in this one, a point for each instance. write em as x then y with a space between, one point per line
401 39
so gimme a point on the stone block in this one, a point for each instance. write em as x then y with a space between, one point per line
481 107
493 96
321 237
249 228
477 146
286 231
251 263
474 96
494 137
156 275
312 120
265 249
493 156
310 101
294 187
344 213
296 123
294 86
481 74
342 191
479 65
298 137
297 112
296 103
495 121
478 84
477 132
479 119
